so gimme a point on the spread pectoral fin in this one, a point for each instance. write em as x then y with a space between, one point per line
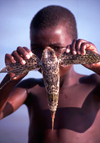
4 70
89 58
18 69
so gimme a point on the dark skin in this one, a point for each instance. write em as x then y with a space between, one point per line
78 117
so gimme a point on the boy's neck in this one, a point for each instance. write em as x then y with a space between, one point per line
69 78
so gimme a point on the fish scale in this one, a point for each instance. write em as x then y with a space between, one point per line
50 64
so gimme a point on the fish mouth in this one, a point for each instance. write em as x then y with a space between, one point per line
48 52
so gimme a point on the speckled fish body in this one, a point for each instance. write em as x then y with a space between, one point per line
50 67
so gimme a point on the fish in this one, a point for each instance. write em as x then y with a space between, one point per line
50 65
51 76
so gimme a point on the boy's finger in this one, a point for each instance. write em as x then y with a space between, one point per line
73 47
23 53
9 59
18 57
28 50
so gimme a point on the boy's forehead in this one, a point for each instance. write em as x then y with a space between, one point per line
59 29
54 34
49 33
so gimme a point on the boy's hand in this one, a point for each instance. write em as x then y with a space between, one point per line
20 54
79 47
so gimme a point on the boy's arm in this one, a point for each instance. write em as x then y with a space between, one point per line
6 90
10 98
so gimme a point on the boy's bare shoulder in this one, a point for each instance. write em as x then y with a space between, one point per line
30 83
90 79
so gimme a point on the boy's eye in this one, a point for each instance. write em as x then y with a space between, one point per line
57 48
37 49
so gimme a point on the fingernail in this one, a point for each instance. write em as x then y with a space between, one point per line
74 52
27 56
31 54
23 62
67 50
79 52
84 52
14 61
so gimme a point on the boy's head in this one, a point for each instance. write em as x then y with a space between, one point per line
54 27
52 16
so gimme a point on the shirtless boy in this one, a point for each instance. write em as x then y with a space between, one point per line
77 118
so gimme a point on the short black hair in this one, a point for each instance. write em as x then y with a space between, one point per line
52 16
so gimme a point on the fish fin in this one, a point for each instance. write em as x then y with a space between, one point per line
6 82
4 70
53 117
9 80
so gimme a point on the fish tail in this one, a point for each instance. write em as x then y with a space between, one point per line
53 117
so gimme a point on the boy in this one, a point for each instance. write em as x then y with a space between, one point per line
77 117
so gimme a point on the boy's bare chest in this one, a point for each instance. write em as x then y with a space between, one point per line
76 104
77 108
68 97
77 111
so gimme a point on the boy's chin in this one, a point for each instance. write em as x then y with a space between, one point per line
65 67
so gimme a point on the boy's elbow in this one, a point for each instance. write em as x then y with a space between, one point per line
1 115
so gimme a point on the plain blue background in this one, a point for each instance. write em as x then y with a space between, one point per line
15 17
